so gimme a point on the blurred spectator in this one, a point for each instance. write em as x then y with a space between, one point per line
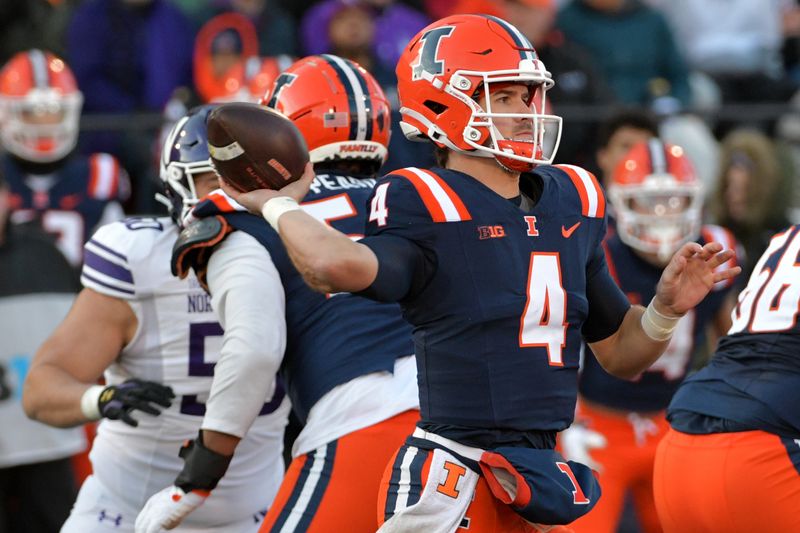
394 24
791 38
66 193
753 192
622 130
577 80
275 27
693 134
227 66
33 24
129 56
633 47
736 42
37 286
275 24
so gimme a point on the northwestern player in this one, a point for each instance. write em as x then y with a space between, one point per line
502 275
657 200
349 365
134 319
68 194
731 460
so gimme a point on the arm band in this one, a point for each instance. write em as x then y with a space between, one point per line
657 326
275 207
403 268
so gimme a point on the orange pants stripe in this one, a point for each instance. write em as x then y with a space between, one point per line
335 487
728 483
627 466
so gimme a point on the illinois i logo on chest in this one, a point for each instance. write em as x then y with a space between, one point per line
530 224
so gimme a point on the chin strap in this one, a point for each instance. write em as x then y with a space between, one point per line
519 148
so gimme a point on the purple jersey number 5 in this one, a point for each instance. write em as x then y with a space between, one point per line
198 366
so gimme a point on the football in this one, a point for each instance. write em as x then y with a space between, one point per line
254 147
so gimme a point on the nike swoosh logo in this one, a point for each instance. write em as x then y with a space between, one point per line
567 233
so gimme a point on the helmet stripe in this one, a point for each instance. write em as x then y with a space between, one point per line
355 96
39 69
522 42
658 156
368 115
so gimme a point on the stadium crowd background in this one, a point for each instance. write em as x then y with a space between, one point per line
722 77
706 68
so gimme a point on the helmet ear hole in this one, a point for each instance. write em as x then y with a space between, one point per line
436 107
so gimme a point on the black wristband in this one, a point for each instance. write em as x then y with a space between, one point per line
202 468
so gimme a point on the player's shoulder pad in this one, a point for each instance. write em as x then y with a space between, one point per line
194 245
107 179
440 201
585 184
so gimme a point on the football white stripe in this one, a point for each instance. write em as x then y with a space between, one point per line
361 108
296 514
108 280
111 258
104 185
39 68
657 156
441 196
404 485
588 185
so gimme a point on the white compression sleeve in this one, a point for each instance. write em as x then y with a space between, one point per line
247 296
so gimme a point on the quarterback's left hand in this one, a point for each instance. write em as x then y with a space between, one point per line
167 509
690 275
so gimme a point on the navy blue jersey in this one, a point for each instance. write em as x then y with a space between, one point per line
71 200
331 339
501 315
653 389
753 379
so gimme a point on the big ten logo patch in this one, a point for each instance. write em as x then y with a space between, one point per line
491 232
454 474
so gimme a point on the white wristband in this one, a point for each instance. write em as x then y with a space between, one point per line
90 402
277 206
657 326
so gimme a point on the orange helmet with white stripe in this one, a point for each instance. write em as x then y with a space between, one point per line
40 107
657 198
449 64
337 105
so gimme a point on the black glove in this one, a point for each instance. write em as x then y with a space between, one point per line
117 401
202 467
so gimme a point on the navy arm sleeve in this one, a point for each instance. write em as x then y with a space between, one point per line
607 303
404 268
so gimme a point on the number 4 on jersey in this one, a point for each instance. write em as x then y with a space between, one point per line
378 211
543 321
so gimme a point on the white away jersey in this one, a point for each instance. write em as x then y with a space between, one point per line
177 343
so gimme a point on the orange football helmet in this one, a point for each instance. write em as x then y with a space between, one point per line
262 73
40 107
448 64
657 198
337 105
